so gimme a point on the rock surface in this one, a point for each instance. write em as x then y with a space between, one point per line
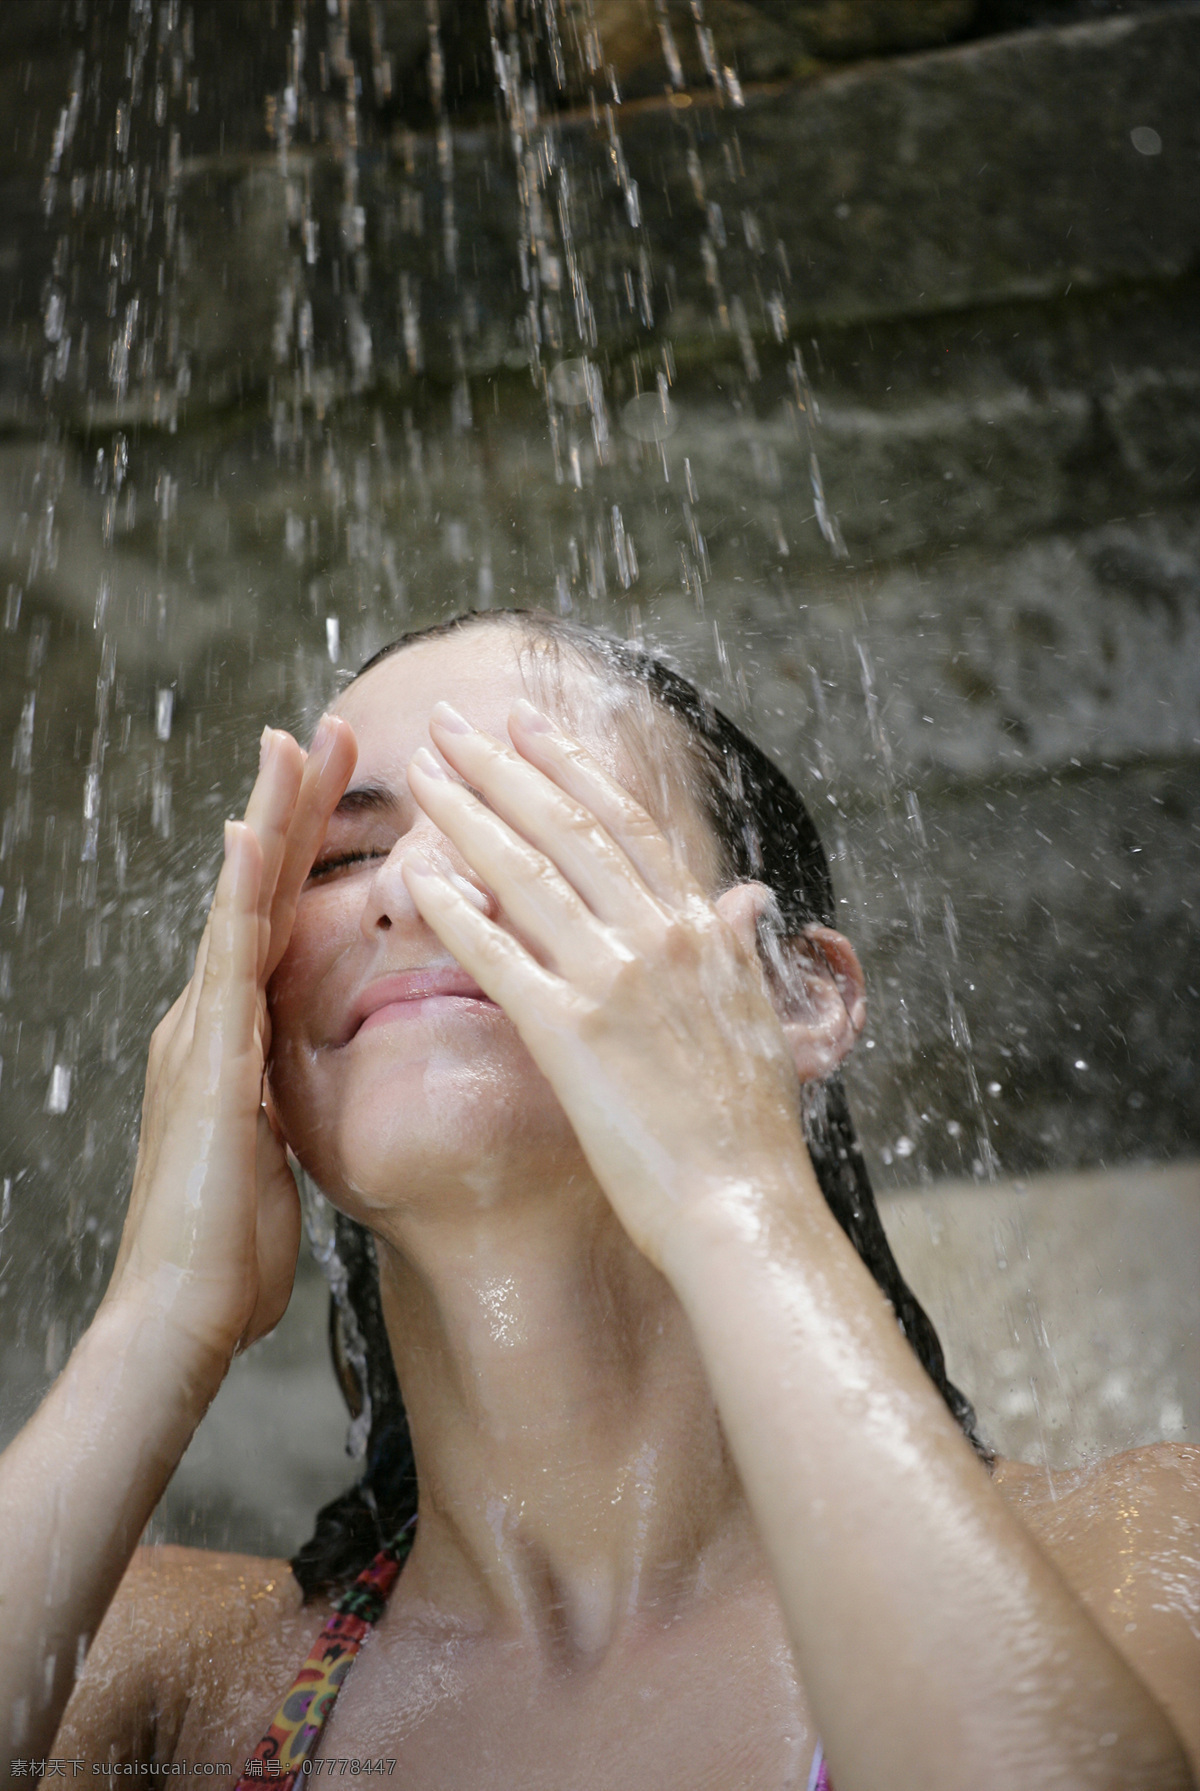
887 191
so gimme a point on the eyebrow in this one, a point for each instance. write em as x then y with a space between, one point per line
368 799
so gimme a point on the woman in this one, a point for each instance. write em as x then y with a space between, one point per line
687 1497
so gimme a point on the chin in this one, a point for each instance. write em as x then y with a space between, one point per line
439 1135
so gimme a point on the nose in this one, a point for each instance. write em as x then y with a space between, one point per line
388 903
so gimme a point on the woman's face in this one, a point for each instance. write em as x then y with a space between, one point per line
395 1080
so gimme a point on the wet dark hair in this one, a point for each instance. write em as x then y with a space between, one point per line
763 831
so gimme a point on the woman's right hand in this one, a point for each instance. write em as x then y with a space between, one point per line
205 1264
213 1228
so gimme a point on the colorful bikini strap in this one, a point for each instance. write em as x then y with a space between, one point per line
292 1738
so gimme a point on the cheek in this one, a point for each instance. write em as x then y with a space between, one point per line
301 999
289 996
323 928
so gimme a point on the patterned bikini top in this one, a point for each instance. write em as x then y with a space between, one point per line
285 1753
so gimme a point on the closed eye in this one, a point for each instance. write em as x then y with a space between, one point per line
342 859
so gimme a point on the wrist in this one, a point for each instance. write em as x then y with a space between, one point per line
143 1317
767 1214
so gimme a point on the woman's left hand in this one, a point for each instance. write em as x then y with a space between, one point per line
641 999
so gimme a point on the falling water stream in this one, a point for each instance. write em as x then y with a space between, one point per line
333 339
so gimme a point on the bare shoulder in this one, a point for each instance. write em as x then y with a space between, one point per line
1149 1495
186 1624
1125 1533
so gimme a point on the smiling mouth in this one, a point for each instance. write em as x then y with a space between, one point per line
403 994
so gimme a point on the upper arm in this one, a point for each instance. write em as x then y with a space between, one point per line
193 1648
131 1693
1127 1538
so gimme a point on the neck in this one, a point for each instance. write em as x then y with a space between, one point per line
574 1481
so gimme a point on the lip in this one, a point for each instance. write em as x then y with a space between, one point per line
423 984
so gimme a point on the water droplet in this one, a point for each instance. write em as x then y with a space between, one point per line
1080 1063
569 384
164 707
58 1095
333 640
623 548
650 417
1146 140
52 323
904 1146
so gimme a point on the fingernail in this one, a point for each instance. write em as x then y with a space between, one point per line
532 718
450 719
425 762
264 747
323 735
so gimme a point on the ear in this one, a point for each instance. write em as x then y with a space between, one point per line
814 978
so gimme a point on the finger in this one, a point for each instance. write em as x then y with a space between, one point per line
569 765
269 813
565 830
540 903
191 995
327 771
228 1002
530 995
268 807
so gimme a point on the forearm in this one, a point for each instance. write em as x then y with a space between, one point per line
937 1645
77 1487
